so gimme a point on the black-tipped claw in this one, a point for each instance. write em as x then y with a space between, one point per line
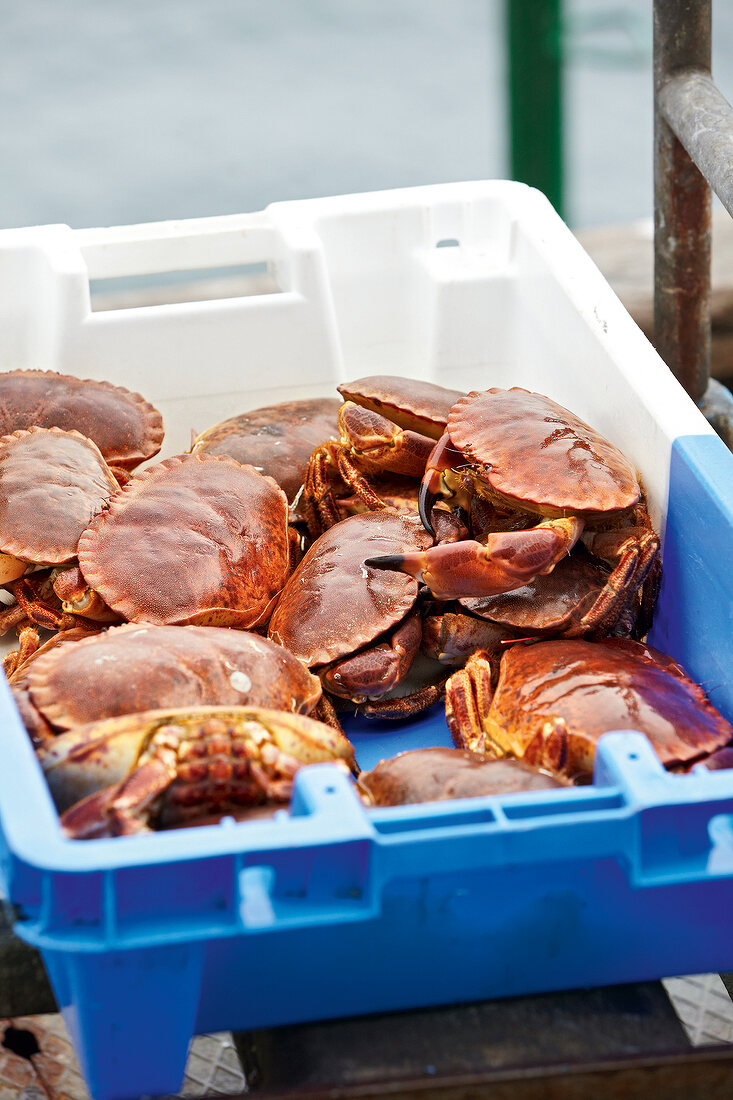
425 501
386 561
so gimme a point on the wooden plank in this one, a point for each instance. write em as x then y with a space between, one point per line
706 1072
570 1027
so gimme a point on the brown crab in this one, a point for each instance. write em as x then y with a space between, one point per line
386 428
196 539
139 667
165 768
554 699
435 774
522 452
126 428
52 483
276 439
357 627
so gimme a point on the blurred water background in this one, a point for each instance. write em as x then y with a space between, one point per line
119 111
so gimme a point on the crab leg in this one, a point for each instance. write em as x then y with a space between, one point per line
634 553
453 636
507 560
468 695
28 643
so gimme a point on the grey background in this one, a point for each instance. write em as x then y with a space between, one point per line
118 111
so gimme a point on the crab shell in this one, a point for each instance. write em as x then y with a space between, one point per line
333 604
126 428
537 455
432 775
276 439
139 667
52 483
194 539
554 699
217 758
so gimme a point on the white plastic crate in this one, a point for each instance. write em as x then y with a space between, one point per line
469 285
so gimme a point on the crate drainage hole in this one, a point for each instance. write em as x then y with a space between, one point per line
24 1044
20 1041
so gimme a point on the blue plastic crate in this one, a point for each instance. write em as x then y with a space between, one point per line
331 909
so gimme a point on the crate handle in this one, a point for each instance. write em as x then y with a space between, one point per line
194 244
682 822
315 880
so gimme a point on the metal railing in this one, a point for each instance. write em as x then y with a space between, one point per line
693 154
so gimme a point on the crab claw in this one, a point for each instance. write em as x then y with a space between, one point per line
84 760
508 560
427 497
78 598
443 457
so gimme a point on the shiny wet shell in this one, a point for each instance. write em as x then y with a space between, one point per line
195 539
616 684
435 774
277 439
541 456
133 668
333 604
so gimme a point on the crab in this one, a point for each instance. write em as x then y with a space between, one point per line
435 774
139 667
522 452
196 539
554 699
358 628
386 428
276 439
126 428
52 483
166 768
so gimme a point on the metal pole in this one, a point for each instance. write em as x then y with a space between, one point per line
533 29
682 44
693 149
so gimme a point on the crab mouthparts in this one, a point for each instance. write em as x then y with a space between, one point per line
413 563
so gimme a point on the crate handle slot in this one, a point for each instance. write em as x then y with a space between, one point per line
315 880
203 284
154 247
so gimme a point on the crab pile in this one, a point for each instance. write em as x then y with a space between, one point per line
191 633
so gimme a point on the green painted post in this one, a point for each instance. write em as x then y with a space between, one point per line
534 45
